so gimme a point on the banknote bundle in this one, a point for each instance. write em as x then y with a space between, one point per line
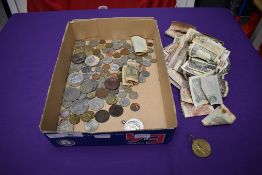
197 65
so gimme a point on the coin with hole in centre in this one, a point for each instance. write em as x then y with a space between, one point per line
112 83
102 116
116 110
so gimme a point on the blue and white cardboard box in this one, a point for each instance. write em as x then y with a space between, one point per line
157 110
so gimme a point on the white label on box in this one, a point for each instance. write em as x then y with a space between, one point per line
145 136
61 135
102 136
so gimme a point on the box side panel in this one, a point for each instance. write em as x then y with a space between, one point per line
56 88
120 138
169 105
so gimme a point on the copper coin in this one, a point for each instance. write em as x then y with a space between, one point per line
149 44
116 55
102 116
101 92
116 110
102 41
95 76
124 52
109 53
135 107
112 83
96 51
114 75
108 45
106 67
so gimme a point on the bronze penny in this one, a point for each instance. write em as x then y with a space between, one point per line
101 92
86 117
102 41
149 44
112 83
135 107
95 76
108 45
102 116
109 53
116 55
96 51
116 110
106 67
124 52
113 75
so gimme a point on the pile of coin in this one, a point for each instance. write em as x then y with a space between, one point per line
95 79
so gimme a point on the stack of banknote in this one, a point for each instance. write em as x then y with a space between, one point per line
197 65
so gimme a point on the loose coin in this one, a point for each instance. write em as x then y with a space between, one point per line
96 104
101 93
133 124
65 126
66 104
78 58
96 76
65 113
74 119
126 45
75 79
150 50
145 73
111 99
124 51
116 55
124 102
116 110
153 60
107 60
112 83
79 107
86 69
149 44
86 117
87 86
135 107
133 95
93 43
92 60
96 52
132 56
114 67
146 62
102 41
95 84
91 95
71 94
91 113
106 67
102 116
201 148
122 94
91 126
108 45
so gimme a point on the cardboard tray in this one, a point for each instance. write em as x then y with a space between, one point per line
155 96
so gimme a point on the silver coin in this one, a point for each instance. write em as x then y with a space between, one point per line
117 46
95 84
91 126
149 57
141 78
114 92
86 76
75 79
126 45
66 104
93 43
65 126
146 62
98 69
71 94
133 95
87 86
133 124
65 113
96 104
79 107
107 60
122 94
124 102
114 67
101 82
92 60
105 50
145 73
86 69
132 56
82 96
139 60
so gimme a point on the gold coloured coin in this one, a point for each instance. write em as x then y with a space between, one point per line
96 52
116 55
86 117
74 119
91 113
201 148
108 45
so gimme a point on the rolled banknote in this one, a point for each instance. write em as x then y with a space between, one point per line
190 110
220 116
178 27
139 45
130 73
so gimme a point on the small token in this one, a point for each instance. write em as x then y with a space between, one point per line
116 110
86 117
108 45
65 113
107 60
78 58
65 126
122 94
201 148
96 104
116 55
87 86
111 99
92 60
112 83
74 119
149 44
133 124
135 107
102 41
133 95
102 116
124 102
101 93
145 73
75 79
71 94
91 126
